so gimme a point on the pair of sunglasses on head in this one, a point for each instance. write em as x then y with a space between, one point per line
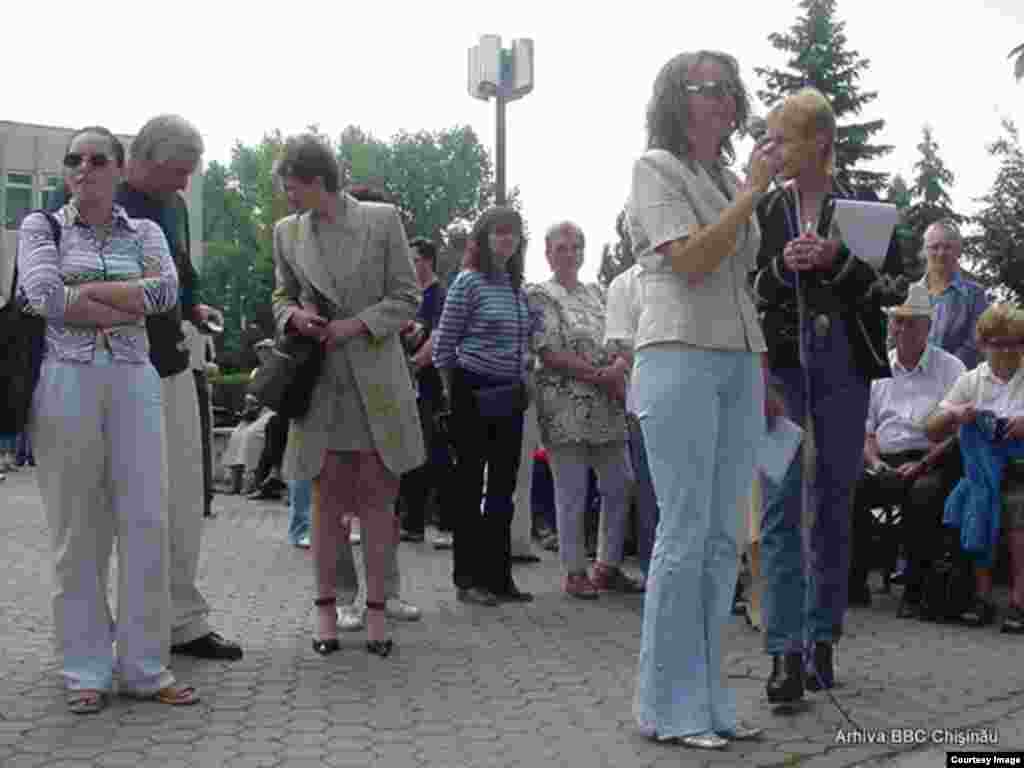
75 160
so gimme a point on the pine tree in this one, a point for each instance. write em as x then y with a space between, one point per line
997 252
819 57
616 259
930 200
899 195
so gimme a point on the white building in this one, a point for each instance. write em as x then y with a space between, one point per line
31 168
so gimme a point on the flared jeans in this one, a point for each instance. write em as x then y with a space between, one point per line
701 411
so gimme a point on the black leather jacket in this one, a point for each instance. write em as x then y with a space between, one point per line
853 289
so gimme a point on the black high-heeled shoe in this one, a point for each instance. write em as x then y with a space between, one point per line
380 648
330 644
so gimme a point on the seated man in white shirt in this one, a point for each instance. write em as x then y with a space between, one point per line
902 466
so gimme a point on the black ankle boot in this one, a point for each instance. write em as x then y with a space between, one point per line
822 675
786 684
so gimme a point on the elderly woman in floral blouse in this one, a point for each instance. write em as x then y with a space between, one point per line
582 417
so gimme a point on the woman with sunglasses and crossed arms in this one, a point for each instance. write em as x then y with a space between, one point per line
699 388
96 424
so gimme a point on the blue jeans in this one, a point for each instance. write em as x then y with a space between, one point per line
806 583
701 415
300 495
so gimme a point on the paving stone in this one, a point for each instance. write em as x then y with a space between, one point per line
546 685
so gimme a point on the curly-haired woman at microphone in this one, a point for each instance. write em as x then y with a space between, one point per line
698 384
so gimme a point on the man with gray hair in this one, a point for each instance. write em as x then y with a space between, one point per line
164 154
958 302
902 467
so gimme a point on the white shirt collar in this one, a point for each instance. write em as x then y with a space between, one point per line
922 364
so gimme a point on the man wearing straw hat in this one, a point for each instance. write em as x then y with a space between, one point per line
902 467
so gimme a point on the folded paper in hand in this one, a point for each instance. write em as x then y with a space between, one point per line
866 228
778 447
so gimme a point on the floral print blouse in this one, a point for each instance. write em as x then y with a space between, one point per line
570 410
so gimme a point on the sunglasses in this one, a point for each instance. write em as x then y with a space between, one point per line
713 89
74 160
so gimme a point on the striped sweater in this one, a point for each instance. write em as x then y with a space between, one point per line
135 250
485 327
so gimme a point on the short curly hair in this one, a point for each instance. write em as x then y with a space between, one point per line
1002 321
305 157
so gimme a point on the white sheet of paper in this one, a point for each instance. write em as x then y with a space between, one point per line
866 228
778 447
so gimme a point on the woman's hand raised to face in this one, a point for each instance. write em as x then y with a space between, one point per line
763 166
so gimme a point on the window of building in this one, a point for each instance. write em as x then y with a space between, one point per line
51 185
19 198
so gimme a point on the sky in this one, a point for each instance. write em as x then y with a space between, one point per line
238 72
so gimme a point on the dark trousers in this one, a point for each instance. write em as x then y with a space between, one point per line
542 496
921 504
23 449
435 475
206 435
482 538
273 446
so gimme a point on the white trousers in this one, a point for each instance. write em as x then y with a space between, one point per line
185 501
96 430
522 518
569 469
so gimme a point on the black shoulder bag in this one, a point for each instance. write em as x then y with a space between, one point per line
505 400
285 382
23 342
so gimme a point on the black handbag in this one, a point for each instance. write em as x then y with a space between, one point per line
285 382
504 400
22 345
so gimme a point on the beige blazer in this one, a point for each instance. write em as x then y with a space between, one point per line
670 200
374 281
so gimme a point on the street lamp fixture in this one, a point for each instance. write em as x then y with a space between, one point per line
506 74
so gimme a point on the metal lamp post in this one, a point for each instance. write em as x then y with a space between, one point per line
507 75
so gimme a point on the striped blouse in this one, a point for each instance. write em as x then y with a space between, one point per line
136 249
485 327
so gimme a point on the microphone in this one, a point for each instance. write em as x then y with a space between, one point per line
756 128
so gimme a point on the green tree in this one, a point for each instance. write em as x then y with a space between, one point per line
441 180
930 198
899 192
818 56
240 204
899 195
997 251
618 257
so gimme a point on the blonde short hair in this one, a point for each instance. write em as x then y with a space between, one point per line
165 138
809 112
1002 320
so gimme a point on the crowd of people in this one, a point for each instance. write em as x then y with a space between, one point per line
745 307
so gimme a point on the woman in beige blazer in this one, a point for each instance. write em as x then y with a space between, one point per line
347 260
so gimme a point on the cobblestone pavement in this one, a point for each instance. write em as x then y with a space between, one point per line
546 684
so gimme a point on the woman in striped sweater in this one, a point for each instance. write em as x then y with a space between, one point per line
480 348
